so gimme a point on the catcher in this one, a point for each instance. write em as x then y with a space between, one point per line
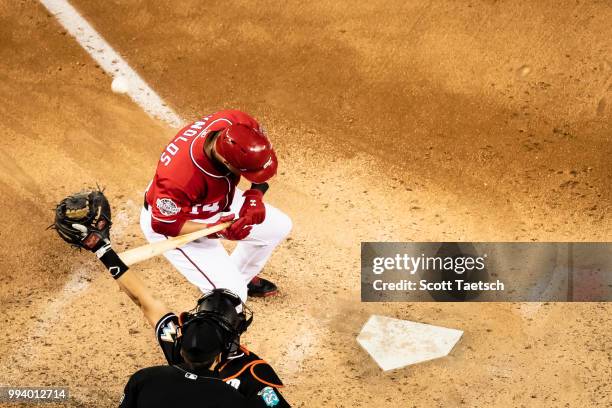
201 346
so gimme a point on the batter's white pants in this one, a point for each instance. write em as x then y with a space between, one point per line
205 262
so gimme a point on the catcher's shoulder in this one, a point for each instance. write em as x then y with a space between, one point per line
248 364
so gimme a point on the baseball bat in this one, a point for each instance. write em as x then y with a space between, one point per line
144 252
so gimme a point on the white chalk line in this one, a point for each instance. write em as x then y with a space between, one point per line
80 277
111 61
79 281
145 97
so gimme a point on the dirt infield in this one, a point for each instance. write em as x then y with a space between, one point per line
424 121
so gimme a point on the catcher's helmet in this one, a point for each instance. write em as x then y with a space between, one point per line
249 150
214 326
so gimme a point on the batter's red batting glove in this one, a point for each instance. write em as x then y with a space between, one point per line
253 210
237 231
222 219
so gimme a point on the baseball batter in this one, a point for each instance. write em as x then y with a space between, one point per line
195 185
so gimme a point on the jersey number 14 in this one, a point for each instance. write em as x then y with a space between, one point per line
198 208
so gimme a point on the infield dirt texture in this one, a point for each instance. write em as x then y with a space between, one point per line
393 120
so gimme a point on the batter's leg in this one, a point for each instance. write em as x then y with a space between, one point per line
204 262
252 253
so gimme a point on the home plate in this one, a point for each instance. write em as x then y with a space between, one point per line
395 343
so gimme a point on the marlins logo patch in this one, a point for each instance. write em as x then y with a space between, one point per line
167 207
168 332
268 395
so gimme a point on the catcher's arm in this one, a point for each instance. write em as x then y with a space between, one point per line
84 221
152 308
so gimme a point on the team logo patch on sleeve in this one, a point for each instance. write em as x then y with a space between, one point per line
268 395
167 207
168 332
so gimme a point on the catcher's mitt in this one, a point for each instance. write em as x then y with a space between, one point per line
84 220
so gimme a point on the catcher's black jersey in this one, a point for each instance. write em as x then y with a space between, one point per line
174 386
245 371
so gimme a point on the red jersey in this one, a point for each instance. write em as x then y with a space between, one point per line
187 185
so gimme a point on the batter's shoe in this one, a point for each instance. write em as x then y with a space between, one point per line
260 287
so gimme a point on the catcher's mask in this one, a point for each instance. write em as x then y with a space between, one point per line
216 319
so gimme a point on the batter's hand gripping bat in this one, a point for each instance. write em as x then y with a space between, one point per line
142 253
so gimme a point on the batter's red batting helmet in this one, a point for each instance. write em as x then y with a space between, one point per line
248 150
